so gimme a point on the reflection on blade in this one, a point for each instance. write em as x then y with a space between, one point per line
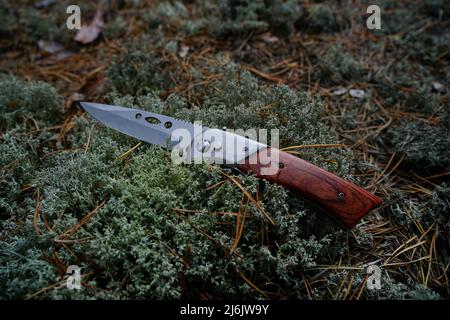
143 125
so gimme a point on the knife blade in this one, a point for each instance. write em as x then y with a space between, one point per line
198 143
143 125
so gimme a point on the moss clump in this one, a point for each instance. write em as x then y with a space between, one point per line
425 148
40 26
429 48
338 65
400 291
165 13
236 17
405 27
226 18
430 211
439 206
242 18
116 28
17 168
136 71
23 105
319 18
282 16
390 288
22 101
7 27
399 84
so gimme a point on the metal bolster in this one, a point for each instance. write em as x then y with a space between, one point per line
221 147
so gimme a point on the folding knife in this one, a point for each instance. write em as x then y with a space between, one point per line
191 142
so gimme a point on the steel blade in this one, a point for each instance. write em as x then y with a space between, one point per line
143 125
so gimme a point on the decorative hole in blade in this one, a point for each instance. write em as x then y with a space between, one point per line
168 124
138 115
152 120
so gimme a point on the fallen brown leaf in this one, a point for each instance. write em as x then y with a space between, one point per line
89 33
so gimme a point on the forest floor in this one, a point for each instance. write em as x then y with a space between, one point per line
384 94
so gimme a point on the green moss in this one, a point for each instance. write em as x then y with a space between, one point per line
322 18
22 101
414 31
24 106
165 13
236 17
425 148
136 71
161 231
17 168
439 206
167 10
281 15
338 65
390 288
140 243
412 90
22 269
7 26
243 18
429 48
40 26
116 28
400 291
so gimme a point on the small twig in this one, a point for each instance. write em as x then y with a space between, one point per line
249 196
69 232
89 140
251 284
240 221
322 145
36 213
125 154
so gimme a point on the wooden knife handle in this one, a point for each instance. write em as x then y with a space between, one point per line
347 202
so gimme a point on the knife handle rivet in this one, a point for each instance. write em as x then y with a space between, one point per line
341 196
281 165
138 115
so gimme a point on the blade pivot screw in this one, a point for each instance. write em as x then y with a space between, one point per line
217 145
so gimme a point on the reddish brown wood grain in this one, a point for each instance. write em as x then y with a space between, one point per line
344 200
